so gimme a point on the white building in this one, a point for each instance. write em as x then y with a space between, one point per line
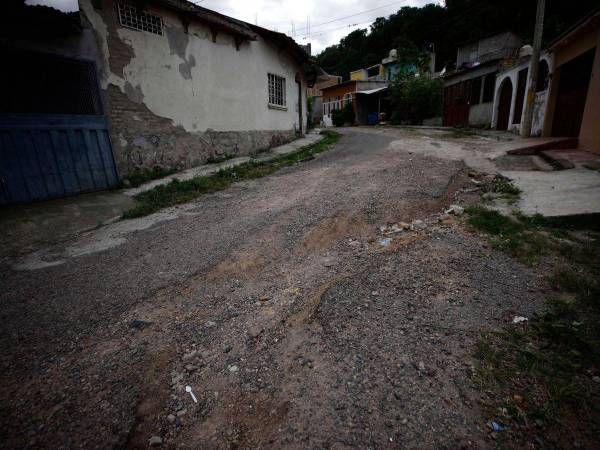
511 89
469 90
123 85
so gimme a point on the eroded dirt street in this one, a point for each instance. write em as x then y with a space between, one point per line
276 303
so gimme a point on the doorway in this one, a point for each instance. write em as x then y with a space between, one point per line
521 86
572 94
506 90
300 111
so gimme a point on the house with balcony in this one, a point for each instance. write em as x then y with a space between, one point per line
469 90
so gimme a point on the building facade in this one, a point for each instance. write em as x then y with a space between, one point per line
574 98
169 84
364 97
315 95
511 87
469 90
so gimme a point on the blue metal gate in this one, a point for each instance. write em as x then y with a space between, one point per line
47 156
54 137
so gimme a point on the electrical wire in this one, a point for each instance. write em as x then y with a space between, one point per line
353 15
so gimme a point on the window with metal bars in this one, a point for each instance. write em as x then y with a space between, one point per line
276 91
130 17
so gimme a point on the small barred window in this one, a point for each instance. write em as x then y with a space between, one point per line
276 91
130 17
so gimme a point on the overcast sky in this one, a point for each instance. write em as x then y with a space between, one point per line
62 5
325 29
330 19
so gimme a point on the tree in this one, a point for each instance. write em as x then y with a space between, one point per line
415 99
341 117
445 28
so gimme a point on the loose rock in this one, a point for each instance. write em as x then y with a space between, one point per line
456 210
155 441
140 324
190 355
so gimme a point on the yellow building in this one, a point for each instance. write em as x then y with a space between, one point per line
373 73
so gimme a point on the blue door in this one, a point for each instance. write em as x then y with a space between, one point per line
54 138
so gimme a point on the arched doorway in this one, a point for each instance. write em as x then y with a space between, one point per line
506 90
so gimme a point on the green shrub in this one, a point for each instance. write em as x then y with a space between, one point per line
340 117
415 99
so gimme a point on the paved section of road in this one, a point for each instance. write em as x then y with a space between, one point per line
294 319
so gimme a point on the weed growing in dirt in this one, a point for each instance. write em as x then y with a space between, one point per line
503 188
178 192
541 378
460 133
517 237
142 176
500 185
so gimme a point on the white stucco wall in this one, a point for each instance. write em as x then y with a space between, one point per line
470 75
541 98
199 84
481 114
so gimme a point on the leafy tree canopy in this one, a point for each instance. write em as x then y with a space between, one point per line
411 30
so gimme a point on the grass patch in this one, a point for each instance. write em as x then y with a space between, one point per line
216 159
538 378
517 237
142 176
501 187
178 192
460 133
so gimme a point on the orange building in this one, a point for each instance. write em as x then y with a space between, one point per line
574 101
365 97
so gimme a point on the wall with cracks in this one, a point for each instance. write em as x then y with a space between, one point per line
174 100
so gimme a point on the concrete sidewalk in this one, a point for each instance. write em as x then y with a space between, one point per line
559 193
210 169
24 227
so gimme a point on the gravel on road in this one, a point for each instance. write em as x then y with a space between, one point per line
286 304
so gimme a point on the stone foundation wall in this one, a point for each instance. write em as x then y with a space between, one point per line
142 139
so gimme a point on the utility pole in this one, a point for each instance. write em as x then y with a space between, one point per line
534 64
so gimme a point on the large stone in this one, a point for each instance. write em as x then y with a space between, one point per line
155 441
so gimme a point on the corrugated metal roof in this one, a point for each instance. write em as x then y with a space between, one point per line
372 91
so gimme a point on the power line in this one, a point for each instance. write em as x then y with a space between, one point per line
353 15
451 20
337 28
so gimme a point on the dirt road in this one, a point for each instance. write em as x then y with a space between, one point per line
278 303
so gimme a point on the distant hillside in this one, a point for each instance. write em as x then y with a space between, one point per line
413 29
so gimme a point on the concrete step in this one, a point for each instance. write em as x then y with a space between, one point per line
533 146
572 158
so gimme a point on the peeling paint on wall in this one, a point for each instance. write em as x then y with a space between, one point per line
146 140
135 94
161 98
185 68
178 41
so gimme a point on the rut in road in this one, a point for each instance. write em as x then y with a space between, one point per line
276 302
